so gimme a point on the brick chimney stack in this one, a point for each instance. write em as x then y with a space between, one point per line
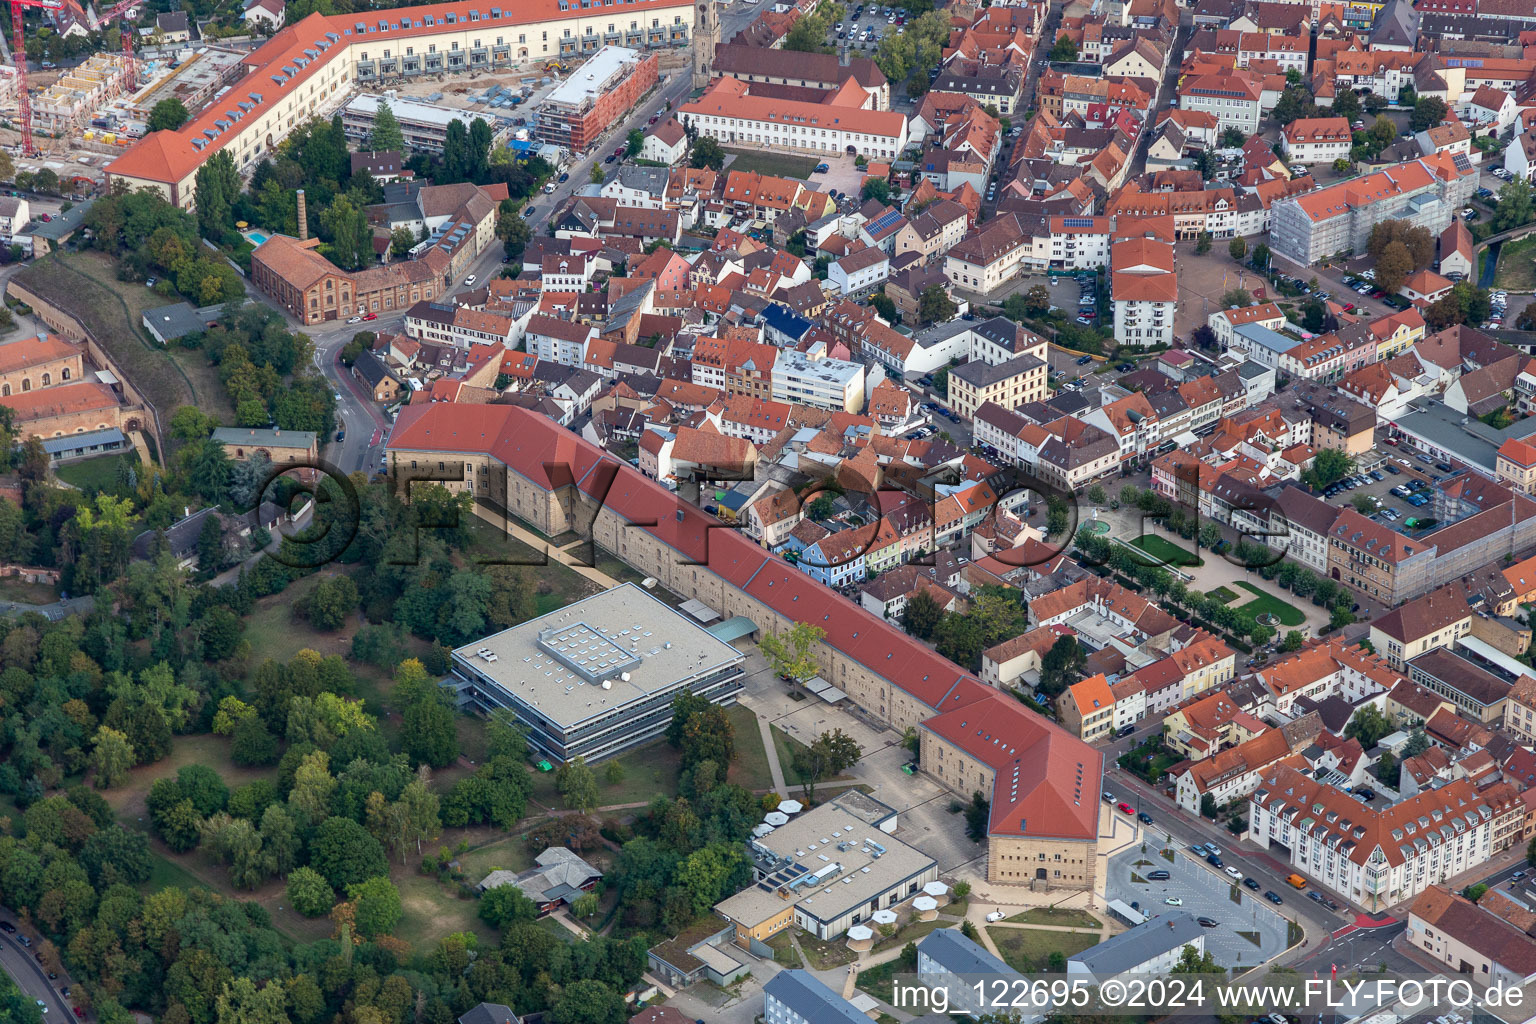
303 220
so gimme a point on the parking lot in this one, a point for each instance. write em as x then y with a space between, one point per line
1400 472
1249 929
865 25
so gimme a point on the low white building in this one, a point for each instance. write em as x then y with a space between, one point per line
15 214
666 143
859 272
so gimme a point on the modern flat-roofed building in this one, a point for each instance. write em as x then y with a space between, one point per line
595 97
805 379
424 125
825 871
598 676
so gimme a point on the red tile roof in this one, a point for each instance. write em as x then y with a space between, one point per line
537 449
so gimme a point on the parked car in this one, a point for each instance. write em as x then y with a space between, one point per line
996 915
370 316
1273 897
1125 808
1251 883
1144 818
1207 922
1214 860
7 927
1158 876
354 319
1084 360
1235 874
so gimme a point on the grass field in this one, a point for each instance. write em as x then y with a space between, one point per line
649 771
16 589
557 583
1223 594
780 164
750 769
1288 614
89 475
1064 917
85 284
1028 950
1166 550
1517 266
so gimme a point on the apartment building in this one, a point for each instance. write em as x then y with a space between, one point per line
1374 858
811 378
1233 99
1426 192
1009 384
1145 290
594 97
1087 709
1317 140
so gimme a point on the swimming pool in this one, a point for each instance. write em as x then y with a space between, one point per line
256 237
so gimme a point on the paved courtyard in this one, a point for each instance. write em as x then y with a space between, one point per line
1206 892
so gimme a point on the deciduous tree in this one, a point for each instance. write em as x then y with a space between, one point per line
112 757
829 755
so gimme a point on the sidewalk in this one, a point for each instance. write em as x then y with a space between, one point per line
562 555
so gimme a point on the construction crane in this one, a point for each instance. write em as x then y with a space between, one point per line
121 9
19 55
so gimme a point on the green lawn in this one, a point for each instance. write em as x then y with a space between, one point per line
1288 614
509 853
780 164
649 771
1028 950
91 475
433 910
750 769
1517 265
1166 550
96 474
1065 917
1223 594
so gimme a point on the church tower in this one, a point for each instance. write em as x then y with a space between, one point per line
706 36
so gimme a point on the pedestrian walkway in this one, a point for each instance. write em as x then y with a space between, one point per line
563 555
774 768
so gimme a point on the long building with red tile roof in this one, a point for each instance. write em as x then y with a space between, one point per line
731 112
310 66
1044 783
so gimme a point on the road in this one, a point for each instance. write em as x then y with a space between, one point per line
31 978
675 88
